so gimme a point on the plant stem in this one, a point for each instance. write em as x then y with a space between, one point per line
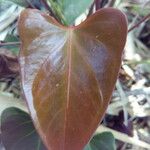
111 3
91 10
9 43
30 4
58 12
141 21
98 4
48 8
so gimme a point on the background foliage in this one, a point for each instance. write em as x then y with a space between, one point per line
128 115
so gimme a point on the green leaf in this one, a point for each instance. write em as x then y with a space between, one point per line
102 141
12 48
23 3
70 9
138 9
18 132
11 38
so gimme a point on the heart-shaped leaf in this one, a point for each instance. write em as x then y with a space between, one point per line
18 132
68 73
102 141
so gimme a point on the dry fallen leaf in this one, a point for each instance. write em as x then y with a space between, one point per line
9 66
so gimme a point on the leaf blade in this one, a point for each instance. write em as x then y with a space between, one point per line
70 76
103 141
18 132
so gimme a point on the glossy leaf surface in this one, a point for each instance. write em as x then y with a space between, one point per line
68 73
18 132
102 141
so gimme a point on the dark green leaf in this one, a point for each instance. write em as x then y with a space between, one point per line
102 141
11 38
18 132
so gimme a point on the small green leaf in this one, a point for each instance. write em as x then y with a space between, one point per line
18 132
11 38
12 48
102 141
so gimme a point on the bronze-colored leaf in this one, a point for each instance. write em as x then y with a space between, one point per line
68 73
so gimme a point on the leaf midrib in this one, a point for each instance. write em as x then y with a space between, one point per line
69 56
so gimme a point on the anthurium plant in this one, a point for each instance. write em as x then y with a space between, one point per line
68 74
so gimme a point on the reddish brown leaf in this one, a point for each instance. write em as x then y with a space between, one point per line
68 73
9 66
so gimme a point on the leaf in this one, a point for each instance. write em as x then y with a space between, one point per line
18 132
13 48
123 137
102 141
23 3
69 73
9 13
70 9
7 100
11 38
9 64
27 3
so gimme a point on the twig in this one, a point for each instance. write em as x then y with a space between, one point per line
133 62
123 137
134 93
9 43
137 16
141 21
